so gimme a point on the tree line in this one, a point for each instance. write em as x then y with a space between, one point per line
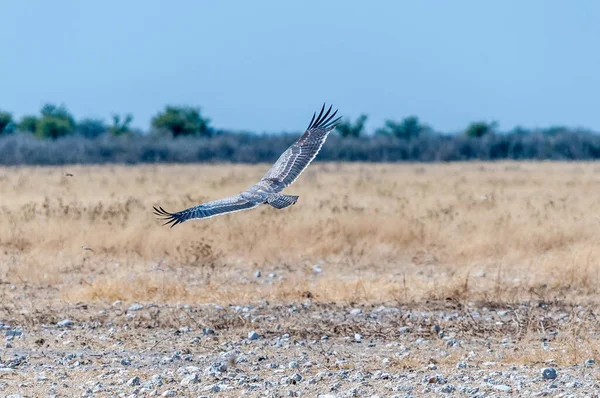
55 121
55 137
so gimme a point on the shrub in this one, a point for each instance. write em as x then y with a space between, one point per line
120 128
182 121
55 122
407 129
480 129
28 124
7 125
91 128
348 129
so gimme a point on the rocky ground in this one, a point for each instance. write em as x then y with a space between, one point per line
308 349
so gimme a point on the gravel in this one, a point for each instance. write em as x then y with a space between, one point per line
122 356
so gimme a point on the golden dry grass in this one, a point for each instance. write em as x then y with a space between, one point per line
500 232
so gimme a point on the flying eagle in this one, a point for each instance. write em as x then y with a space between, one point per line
284 172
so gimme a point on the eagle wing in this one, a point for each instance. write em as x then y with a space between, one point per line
298 156
206 210
285 171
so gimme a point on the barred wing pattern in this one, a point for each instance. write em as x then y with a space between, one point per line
205 210
285 171
297 157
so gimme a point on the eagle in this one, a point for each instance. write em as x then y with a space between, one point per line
283 173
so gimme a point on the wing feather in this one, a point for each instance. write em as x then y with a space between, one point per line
299 155
205 210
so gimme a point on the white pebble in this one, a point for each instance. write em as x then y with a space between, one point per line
136 307
64 323
190 379
134 381
293 365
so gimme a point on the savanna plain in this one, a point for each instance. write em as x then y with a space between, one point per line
463 279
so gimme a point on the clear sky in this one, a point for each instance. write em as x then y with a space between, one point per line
267 65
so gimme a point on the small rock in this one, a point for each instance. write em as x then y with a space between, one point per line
13 333
293 365
403 329
355 311
208 331
357 337
258 274
253 335
461 365
134 381
64 323
549 373
117 303
218 367
190 379
125 362
502 387
212 388
297 377
448 388
589 363
169 393
136 307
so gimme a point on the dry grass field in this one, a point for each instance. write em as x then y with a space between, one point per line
434 238
502 232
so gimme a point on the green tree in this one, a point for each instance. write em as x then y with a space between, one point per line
55 122
348 129
28 124
409 128
120 128
91 128
182 121
7 125
480 129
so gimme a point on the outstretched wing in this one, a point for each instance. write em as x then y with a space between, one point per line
205 210
297 157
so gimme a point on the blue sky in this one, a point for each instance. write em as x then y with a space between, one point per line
267 65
